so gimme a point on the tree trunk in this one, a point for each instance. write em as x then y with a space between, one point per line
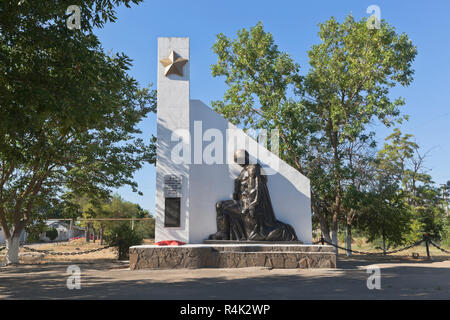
93 234
327 237
349 240
12 249
101 235
334 232
324 226
88 232
384 243
334 240
334 138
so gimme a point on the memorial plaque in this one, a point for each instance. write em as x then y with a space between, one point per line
172 213
172 186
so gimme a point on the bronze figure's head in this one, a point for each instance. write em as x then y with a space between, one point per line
241 157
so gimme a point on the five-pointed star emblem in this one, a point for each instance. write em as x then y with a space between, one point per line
173 64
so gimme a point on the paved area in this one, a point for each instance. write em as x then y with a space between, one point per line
400 279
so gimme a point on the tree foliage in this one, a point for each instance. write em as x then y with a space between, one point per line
116 207
259 77
123 237
325 114
69 111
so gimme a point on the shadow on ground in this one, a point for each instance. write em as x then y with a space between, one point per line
400 279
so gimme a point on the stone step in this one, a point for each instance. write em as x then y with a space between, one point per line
273 248
232 256
249 242
271 259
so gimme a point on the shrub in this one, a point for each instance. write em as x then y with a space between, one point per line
445 233
145 228
51 233
34 231
122 237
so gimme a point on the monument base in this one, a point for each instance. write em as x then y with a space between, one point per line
219 242
284 256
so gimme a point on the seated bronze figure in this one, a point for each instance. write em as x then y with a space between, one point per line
250 216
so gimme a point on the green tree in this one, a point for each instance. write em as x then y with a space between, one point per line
68 111
402 160
445 233
360 174
428 210
116 207
385 215
384 210
259 77
51 233
347 87
123 237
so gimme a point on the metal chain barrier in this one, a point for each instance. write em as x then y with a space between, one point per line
443 250
374 253
49 252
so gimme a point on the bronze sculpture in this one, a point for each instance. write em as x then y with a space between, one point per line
250 216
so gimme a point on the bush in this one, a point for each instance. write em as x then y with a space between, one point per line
145 228
122 237
445 233
34 231
51 233
33 237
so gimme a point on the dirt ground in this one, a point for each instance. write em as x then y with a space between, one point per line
401 278
42 276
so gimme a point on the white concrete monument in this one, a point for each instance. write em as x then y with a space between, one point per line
195 169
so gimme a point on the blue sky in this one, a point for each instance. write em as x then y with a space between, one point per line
294 26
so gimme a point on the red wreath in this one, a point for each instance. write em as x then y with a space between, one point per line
170 243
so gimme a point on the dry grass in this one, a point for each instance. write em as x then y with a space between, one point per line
79 245
361 244
148 241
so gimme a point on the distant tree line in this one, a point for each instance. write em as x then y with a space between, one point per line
325 118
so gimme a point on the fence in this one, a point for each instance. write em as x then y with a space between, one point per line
322 241
425 239
49 252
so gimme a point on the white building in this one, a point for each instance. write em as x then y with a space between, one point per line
65 232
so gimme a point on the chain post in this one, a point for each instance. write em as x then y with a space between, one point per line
322 240
426 238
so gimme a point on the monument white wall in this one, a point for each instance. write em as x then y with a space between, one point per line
172 114
205 184
289 189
